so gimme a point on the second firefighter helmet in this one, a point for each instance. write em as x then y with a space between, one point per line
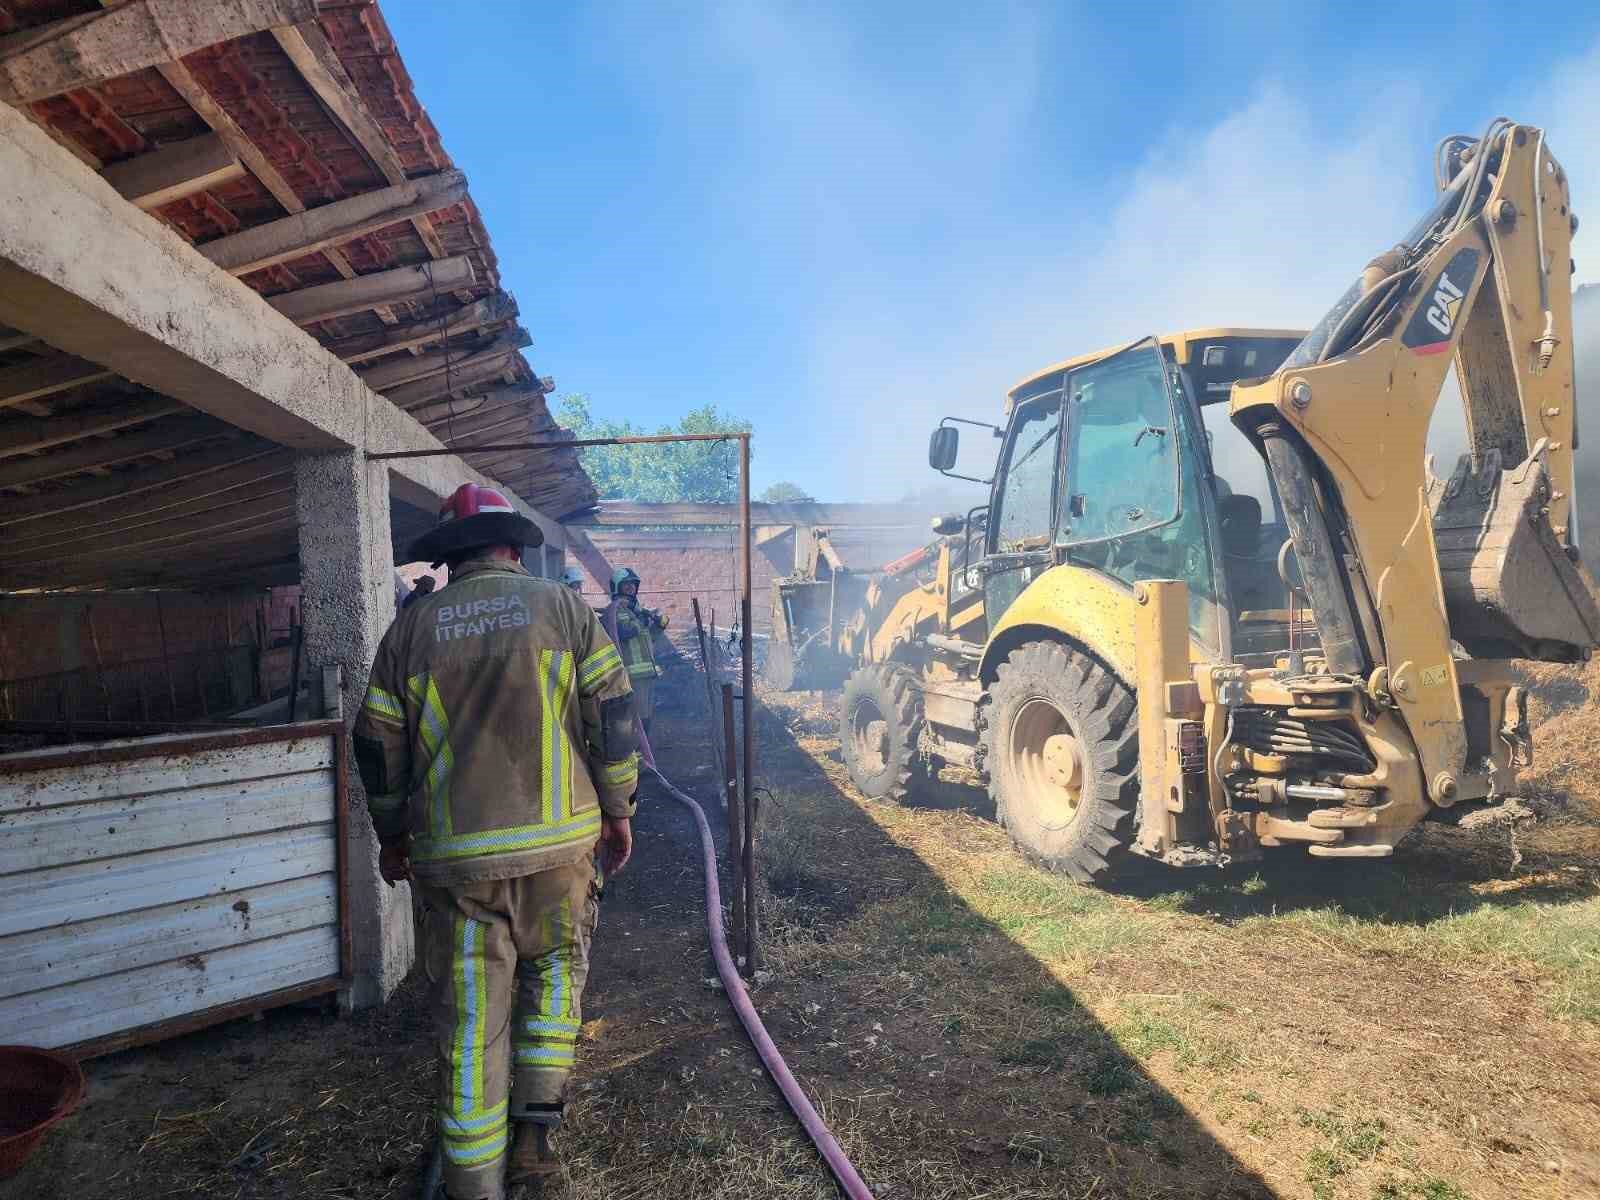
573 578
621 576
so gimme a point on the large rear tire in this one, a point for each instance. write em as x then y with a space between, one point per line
1062 737
880 726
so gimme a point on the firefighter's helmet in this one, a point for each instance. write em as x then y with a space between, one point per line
573 578
474 517
621 576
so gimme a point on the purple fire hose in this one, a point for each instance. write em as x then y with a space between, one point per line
821 1136
828 1145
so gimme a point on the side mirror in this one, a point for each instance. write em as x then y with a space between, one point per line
942 447
948 525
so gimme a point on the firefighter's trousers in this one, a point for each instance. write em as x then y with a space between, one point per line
506 963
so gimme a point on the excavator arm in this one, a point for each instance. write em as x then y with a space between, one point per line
1401 568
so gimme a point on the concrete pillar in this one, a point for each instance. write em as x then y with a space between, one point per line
347 601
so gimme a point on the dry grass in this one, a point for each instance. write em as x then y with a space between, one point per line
1419 1028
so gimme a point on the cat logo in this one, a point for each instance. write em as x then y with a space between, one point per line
1434 322
1446 302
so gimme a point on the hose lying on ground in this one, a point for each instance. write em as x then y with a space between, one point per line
821 1136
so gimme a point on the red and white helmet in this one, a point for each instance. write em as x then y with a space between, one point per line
472 517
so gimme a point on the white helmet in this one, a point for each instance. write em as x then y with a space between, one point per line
573 578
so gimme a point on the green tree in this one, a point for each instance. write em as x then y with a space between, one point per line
688 472
784 492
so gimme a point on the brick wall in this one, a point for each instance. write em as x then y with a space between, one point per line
132 655
678 566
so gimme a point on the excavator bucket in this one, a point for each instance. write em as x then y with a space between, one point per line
1510 589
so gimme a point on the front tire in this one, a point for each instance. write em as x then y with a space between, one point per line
1062 738
880 726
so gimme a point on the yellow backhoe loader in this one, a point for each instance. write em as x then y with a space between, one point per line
1219 601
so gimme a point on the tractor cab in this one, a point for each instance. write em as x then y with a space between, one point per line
1146 478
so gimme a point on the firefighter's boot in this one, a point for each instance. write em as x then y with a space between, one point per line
535 1171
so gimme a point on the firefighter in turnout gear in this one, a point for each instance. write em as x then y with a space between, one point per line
635 627
498 746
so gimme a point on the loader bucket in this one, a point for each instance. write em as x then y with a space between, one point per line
1510 588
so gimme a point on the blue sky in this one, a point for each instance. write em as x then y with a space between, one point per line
844 221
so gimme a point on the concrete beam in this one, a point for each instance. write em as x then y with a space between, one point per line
97 453
174 171
388 375
480 314
26 437
102 281
315 229
89 49
328 300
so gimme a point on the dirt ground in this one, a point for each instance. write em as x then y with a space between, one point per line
1420 1029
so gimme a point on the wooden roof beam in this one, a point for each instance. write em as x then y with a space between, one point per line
328 300
509 421
13 339
481 370
24 384
155 562
387 375
196 474
480 314
307 47
174 171
267 499
316 229
527 399
180 79
25 437
91 48
106 452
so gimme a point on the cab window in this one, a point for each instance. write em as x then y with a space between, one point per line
1027 493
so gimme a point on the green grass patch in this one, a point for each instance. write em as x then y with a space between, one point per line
1429 1188
1054 918
1562 938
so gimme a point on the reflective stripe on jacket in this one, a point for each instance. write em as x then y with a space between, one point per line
635 629
486 699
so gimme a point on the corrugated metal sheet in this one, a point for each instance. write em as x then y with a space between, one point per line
147 884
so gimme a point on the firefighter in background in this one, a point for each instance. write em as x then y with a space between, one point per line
635 626
498 747
573 578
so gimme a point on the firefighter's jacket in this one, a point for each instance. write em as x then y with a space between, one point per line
485 726
635 627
